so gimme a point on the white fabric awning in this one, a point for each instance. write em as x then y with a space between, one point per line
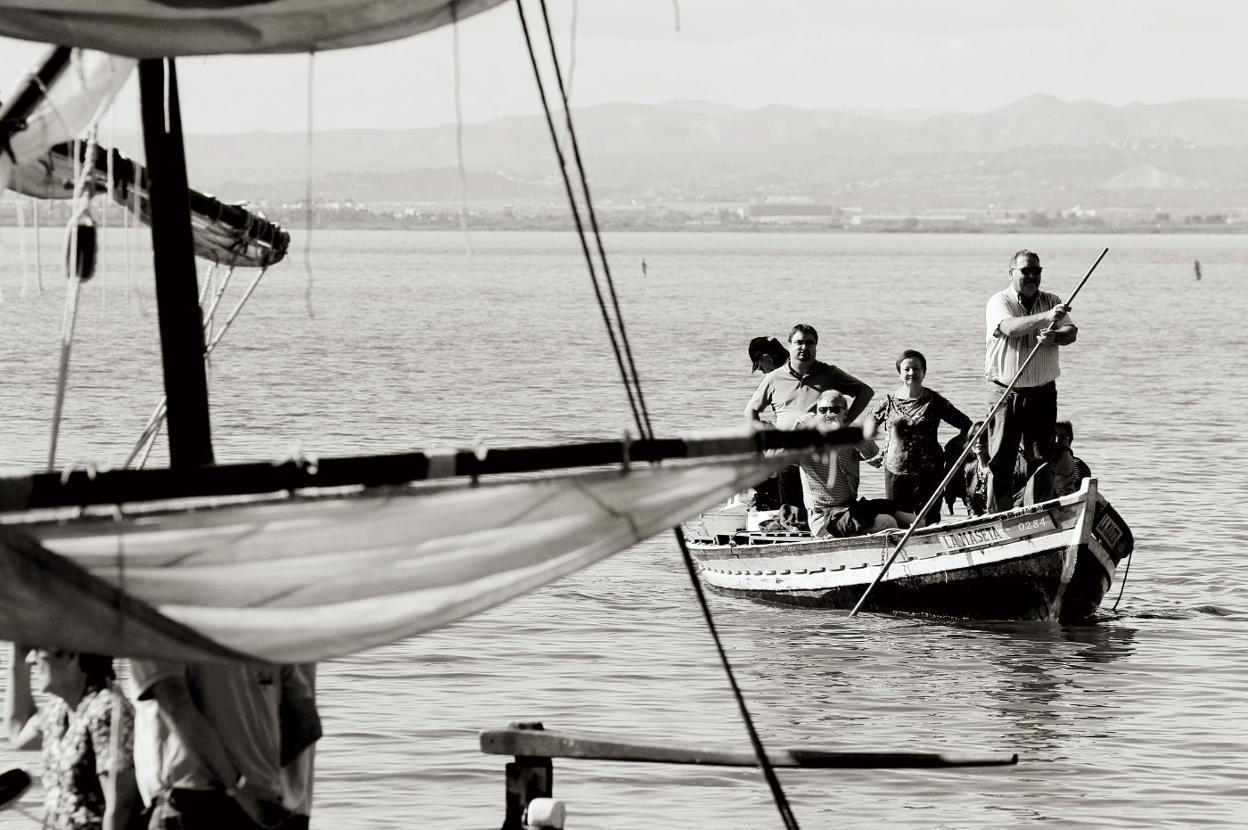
164 28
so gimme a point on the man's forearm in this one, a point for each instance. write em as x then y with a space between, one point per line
861 401
19 704
1021 326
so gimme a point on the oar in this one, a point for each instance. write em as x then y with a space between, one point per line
970 444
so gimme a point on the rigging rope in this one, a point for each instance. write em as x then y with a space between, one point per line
156 421
1123 585
21 244
580 228
760 752
34 213
459 131
307 196
82 202
572 47
593 222
632 383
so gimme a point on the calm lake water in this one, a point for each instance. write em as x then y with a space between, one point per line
1140 720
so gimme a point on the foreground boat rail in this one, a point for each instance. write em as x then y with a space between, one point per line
77 488
530 775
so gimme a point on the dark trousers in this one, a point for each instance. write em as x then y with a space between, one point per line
911 492
199 810
791 490
1027 415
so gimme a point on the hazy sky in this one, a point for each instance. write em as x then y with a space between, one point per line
969 55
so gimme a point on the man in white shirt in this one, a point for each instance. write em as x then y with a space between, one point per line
1017 319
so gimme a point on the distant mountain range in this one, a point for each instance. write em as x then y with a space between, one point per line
1036 153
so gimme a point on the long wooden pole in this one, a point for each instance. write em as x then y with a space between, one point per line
970 444
542 743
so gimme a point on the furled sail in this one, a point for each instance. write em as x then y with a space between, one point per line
295 579
64 101
160 28
37 159
227 234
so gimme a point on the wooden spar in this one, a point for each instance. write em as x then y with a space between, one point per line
530 775
14 112
126 171
173 257
80 487
530 742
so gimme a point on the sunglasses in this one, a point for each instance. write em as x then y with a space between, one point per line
823 409
1030 271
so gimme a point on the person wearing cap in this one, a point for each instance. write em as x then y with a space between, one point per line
1018 318
785 487
767 354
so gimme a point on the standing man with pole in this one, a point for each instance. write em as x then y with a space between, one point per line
1019 319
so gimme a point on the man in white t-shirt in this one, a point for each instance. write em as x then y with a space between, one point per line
207 743
1017 319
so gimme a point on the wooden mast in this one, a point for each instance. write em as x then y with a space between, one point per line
181 323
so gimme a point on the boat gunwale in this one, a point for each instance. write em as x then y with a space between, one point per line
829 544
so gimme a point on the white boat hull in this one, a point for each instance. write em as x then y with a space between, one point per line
1050 561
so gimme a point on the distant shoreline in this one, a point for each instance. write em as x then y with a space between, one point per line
298 225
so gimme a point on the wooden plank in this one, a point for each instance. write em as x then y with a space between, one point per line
588 746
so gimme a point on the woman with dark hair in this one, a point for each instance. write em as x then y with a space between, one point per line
85 730
913 459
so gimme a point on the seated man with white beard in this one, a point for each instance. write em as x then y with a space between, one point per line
831 489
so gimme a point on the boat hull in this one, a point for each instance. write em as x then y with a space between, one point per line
1050 561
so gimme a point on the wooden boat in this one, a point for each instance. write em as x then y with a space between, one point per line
1050 561
306 559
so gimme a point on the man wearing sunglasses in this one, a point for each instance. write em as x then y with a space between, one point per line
1017 319
831 481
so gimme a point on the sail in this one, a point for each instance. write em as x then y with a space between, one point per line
293 580
160 28
67 103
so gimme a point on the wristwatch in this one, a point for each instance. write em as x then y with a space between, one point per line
232 789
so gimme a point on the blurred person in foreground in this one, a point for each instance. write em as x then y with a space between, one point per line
208 743
85 733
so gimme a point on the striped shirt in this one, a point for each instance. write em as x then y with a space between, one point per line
830 485
1005 354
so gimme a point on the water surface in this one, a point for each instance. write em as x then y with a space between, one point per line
1136 721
